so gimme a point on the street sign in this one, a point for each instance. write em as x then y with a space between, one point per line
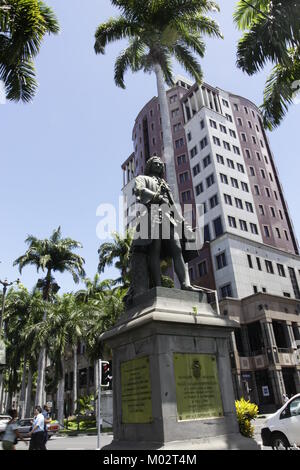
266 391
2 353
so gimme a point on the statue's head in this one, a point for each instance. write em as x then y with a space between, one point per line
156 166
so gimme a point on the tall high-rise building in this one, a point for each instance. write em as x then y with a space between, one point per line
250 254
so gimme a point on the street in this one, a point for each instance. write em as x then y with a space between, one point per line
86 442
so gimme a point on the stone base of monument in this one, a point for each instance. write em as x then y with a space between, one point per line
172 380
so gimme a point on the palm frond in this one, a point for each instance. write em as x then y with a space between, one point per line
189 63
113 30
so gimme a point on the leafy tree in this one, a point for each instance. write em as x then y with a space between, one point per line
159 30
118 251
51 255
94 289
23 26
271 34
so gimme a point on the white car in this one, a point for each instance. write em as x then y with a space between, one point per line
4 419
282 429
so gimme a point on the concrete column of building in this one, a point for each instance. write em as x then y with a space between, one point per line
279 388
291 337
190 107
206 98
201 96
272 352
184 112
196 101
297 378
216 102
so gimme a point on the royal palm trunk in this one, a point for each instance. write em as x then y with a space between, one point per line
60 396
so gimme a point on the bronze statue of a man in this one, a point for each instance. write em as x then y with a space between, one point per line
160 232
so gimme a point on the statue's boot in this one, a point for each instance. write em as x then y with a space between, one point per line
190 288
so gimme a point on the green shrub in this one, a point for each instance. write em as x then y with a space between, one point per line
246 412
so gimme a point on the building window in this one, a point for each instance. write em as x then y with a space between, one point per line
249 207
210 180
232 133
243 226
267 231
240 122
262 144
175 113
221 261
255 289
229 118
250 124
240 168
256 189
275 195
250 261
234 183
217 141
207 237
196 169
294 282
281 270
202 124
239 203
228 199
202 269
194 151
232 222
186 196
206 161
189 134
203 143
224 178
280 214
230 163
254 140
272 210
181 159
226 291
226 145
173 99
268 192
254 229
277 232
213 202
220 159
223 129
225 103
236 108
258 264
184 177
177 128
179 143
213 124
246 109
218 226
269 267
236 150
247 152
286 235
261 209
245 187
199 189
263 174
252 171
244 137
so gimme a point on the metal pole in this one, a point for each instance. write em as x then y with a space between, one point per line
2 310
99 400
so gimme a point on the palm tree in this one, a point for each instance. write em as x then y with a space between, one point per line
159 30
94 289
23 25
51 255
272 34
118 250
23 310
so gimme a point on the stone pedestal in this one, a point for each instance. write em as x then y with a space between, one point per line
172 376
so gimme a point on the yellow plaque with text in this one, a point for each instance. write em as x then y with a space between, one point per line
136 391
197 387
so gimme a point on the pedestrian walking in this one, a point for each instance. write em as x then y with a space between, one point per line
47 420
285 398
37 434
11 434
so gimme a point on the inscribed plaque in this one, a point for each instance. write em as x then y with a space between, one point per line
136 391
197 387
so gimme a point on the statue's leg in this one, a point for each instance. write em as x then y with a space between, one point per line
179 264
154 262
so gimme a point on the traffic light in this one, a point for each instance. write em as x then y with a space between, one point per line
106 374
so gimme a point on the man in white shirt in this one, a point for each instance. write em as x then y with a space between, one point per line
37 441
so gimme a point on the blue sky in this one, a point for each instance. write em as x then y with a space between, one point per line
61 155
